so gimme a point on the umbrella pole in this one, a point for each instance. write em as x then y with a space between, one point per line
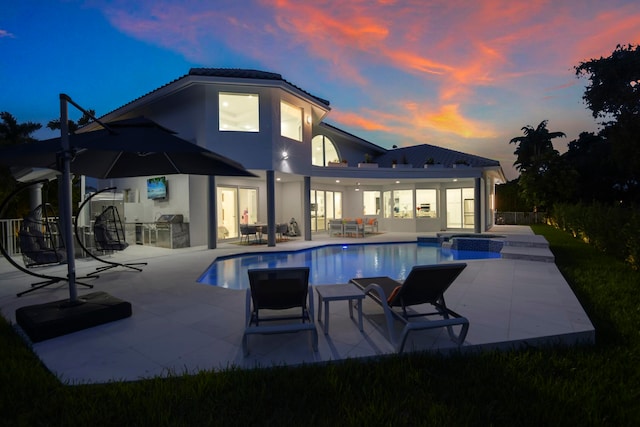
65 200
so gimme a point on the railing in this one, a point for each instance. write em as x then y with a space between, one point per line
519 218
9 234
9 229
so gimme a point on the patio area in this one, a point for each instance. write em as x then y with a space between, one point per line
181 326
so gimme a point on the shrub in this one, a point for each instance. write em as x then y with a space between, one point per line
611 229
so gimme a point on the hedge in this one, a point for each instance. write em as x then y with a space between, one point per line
614 230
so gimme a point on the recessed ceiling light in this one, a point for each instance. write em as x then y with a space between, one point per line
337 180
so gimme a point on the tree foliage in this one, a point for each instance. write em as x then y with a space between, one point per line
614 88
73 126
12 132
613 94
539 165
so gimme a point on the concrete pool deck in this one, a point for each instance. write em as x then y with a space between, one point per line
181 326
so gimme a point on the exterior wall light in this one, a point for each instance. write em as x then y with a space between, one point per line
285 155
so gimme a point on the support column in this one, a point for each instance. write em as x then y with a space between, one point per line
212 214
306 207
477 208
35 196
271 208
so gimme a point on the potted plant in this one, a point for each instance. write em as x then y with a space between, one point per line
460 164
404 164
367 162
431 163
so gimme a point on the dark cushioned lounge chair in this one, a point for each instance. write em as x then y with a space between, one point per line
425 284
274 290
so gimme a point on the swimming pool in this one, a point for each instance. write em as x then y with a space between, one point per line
337 263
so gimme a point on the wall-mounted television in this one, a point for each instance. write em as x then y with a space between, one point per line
157 188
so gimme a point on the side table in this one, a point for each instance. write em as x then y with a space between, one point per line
348 292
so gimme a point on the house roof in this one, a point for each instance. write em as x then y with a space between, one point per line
352 137
418 155
239 73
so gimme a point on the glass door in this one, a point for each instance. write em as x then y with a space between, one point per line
235 206
227 210
460 207
325 205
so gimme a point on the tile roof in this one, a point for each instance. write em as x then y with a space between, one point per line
418 155
240 73
226 72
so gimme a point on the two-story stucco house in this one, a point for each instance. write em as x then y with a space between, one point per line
307 169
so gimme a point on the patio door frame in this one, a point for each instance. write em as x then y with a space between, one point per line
235 211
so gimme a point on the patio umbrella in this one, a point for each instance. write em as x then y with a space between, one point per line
125 148
132 147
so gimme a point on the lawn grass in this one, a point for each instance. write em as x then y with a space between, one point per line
591 385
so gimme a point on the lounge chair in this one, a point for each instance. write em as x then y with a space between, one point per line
425 284
285 292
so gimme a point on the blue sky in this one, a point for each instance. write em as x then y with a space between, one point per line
457 74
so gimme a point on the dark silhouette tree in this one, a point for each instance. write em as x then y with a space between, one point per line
613 95
73 126
536 159
598 174
12 132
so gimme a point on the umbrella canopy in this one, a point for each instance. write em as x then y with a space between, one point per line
125 148
132 147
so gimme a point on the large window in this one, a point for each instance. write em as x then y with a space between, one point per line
323 151
426 203
290 121
239 112
403 203
371 202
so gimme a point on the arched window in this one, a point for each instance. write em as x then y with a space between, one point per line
323 151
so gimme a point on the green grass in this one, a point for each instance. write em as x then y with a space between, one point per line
592 385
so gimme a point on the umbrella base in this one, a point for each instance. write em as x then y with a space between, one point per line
45 321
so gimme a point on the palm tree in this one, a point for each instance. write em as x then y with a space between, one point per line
11 132
535 159
535 150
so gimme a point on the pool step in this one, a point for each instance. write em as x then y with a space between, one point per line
528 247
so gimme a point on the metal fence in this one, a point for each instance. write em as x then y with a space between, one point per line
519 218
9 234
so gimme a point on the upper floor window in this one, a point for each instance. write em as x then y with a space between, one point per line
323 151
290 121
239 112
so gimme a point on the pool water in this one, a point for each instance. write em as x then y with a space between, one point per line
337 263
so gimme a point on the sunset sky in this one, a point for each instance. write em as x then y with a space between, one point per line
465 75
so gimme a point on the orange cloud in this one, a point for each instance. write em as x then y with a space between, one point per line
356 120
